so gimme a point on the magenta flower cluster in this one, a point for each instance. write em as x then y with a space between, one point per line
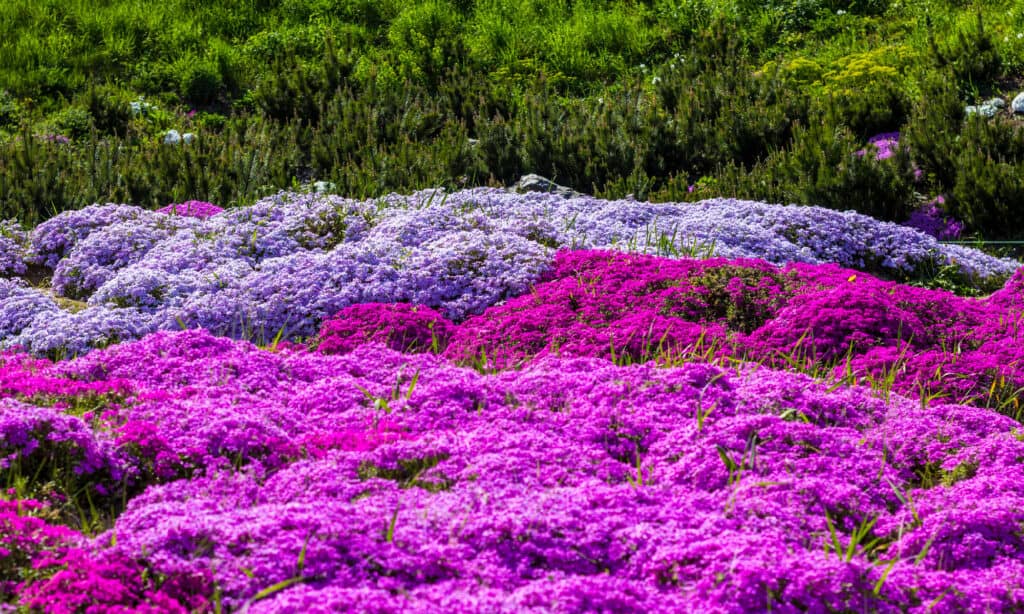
383 481
191 208
636 308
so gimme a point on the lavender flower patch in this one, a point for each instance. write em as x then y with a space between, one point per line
283 265
19 306
53 239
62 334
14 244
725 227
97 257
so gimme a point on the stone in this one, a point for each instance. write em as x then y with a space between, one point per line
1018 103
173 137
536 183
998 103
985 110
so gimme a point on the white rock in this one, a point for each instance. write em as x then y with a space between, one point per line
998 103
1018 103
321 187
172 137
985 110
188 137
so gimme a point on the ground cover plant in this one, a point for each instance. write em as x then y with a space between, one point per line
573 484
487 401
278 268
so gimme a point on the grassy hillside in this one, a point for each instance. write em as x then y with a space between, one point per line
662 100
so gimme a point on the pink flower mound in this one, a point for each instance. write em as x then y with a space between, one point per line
191 208
1011 296
400 326
631 307
77 580
635 308
827 324
569 485
24 535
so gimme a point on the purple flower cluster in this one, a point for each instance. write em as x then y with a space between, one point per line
20 305
53 239
100 255
932 220
277 269
33 434
14 244
63 334
191 208
884 145
573 484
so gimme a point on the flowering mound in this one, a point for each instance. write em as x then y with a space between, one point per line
382 481
13 246
399 326
635 308
277 269
191 208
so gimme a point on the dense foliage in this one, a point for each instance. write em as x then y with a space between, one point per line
766 101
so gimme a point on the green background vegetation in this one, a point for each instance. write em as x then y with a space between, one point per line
763 100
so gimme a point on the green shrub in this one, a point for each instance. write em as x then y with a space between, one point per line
110 109
867 93
10 110
821 168
74 122
971 56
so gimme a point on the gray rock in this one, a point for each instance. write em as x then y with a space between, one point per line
998 103
1018 103
322 187
536 183
985 110
173 137
188 137
140 107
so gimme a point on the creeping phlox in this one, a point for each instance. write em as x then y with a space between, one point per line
836 323
487 402
377 480
277 269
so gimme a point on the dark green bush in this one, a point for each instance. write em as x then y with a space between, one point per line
110 109
201 82
10 110
822 168
977 163
74 122
763 100
972 56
